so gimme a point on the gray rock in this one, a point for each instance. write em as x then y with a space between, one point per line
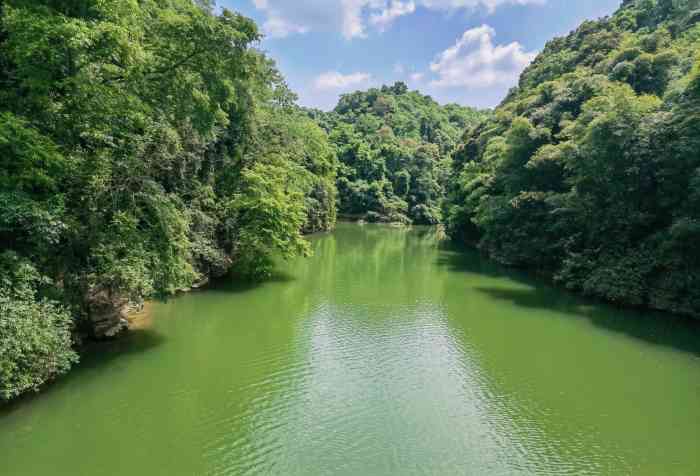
107 313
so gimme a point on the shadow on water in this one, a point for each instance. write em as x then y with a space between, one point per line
234 284
460 259
663 329
95 356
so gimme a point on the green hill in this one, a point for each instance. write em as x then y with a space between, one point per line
394 148
590 169
144 148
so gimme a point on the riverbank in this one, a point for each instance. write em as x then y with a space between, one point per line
620 300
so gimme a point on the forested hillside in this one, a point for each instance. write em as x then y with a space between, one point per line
394 148
590 169
144 147
148 146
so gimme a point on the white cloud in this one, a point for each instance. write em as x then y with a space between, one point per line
351 17
286 17
475 61
352 22
277 27
394 10
333 80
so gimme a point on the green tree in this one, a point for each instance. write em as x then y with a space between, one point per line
587 170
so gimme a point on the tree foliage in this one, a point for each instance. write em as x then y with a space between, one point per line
394 149
588 170
144 147
35 330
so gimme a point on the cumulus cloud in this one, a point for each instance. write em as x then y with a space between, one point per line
334 80
352 17
394 10
475 61
352 22
285 17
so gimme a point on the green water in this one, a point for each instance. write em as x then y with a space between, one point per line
384 354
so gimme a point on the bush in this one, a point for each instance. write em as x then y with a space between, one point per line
35 332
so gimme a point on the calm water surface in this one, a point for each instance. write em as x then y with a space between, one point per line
384 354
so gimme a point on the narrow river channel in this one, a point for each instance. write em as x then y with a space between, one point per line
386 353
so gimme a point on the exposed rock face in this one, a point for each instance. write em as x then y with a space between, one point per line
201 283
107 313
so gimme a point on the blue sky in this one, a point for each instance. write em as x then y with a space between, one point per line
464 51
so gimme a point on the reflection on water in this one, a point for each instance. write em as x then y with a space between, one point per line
387 353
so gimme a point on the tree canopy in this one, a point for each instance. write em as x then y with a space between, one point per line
144 147
394 148
589 170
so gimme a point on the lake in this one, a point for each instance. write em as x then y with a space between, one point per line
389 352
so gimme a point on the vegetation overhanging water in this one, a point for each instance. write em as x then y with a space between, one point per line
148 147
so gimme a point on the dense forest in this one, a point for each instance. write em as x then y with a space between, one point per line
147 147
589 171
394 149
144 147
